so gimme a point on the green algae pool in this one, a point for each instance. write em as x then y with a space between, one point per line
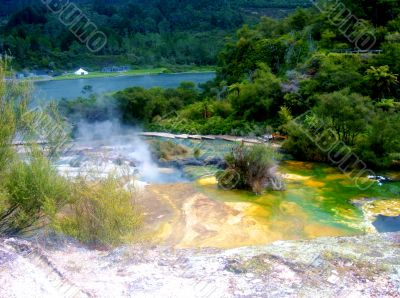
316 203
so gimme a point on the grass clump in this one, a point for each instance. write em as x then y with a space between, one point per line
250 167
100 212
168 150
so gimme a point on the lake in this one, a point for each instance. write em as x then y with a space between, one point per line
70 89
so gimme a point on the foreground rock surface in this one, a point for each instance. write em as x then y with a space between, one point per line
364 266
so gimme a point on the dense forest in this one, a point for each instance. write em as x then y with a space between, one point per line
139 33
276 71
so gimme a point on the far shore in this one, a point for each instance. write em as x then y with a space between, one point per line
129 73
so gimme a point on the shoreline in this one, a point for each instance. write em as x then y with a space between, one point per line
113 75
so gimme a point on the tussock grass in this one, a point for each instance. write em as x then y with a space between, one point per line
168 150
250 167
101 211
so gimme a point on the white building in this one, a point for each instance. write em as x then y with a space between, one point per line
81 72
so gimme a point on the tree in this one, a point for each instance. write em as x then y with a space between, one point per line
332 72
257 100
346 113
382 81
382 139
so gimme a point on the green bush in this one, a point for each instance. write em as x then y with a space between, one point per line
32 192
250 167
100 212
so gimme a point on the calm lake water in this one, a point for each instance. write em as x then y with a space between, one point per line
70 89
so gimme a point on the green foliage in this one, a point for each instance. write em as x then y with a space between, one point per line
382 80
346 113
214 125
350 120
100 212
302 143
379 12
331 73
257 100
206 109
382 140
391 56
285 116
249 167
31 191
388 104
139 104
139 33
92 108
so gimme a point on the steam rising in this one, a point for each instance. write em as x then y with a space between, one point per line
108 147
123 142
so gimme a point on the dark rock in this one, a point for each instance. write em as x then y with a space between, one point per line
190 162
180 163
198 162
235 267
215 161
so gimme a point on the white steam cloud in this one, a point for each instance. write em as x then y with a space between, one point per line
112 145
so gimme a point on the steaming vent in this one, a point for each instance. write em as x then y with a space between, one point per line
105 148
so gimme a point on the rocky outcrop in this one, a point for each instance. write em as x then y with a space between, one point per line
364 266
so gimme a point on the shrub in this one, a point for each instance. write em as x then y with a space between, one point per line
250 167
101 212
30 192
301 146
30 188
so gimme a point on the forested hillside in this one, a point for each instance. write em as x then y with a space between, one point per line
145 33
